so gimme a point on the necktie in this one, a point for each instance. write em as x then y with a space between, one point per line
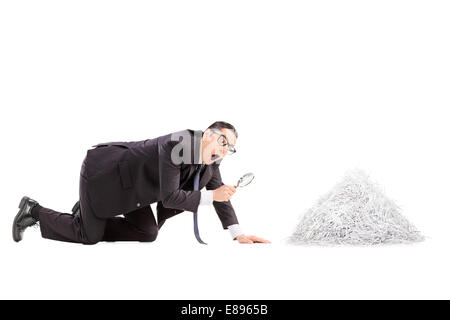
196 183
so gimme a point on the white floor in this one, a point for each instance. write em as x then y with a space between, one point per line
38 268
314 89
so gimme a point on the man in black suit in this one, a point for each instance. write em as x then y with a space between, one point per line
124 178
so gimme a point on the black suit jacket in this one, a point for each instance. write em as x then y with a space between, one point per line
124 176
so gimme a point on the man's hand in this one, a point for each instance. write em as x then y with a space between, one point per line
250 239
224 193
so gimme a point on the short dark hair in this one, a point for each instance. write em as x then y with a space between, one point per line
223 125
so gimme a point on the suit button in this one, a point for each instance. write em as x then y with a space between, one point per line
138 204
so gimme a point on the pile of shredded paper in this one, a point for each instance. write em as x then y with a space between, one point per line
354 212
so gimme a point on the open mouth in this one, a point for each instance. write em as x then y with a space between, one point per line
214 157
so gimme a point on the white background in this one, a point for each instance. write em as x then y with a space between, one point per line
314 88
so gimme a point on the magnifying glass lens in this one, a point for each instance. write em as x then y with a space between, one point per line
245 179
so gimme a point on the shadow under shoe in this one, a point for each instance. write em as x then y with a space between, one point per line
24 219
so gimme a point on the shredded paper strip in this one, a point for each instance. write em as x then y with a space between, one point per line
354 212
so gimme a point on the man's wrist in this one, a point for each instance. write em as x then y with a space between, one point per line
235 231
206 197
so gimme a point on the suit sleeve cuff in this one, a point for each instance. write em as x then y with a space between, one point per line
235 230
206 197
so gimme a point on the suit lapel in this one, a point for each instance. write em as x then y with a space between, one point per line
186 177
205 177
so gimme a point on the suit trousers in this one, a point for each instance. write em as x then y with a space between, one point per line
86 228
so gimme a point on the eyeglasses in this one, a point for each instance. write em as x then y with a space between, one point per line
223 141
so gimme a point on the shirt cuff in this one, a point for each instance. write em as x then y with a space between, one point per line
235 230
206 197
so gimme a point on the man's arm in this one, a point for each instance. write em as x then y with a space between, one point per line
169 180
224 209
226 212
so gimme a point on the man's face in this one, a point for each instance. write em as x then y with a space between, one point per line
215 144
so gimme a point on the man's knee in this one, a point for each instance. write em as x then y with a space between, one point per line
92 239
149 235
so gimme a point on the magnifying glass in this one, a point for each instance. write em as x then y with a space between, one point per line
245 180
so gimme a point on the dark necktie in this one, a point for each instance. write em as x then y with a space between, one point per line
196 184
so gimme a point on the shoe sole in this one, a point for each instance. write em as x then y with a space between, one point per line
16 236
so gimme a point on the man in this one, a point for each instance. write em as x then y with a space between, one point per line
124 178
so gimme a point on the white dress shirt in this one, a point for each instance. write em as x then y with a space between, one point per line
207 199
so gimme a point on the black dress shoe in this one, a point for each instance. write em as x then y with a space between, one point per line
23 219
